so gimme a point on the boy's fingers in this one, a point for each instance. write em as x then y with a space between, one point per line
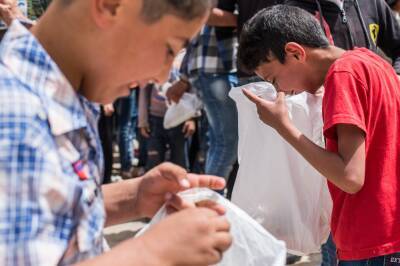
174 174
220 223
251 96
178 203
223 241
208 181
256 99
280 96
212 205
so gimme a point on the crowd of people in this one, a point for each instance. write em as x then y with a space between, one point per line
80 80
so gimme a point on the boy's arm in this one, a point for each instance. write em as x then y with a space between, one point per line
345 169
182 85
223 15
222 18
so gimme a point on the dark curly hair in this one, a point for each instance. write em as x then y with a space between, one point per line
266 34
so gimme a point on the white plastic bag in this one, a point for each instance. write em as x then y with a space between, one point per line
275 185
252 244
177 113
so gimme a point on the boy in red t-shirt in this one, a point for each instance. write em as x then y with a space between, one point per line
361 110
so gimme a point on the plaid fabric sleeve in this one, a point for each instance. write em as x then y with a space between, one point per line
37 201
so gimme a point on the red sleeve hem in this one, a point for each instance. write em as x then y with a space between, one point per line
330 124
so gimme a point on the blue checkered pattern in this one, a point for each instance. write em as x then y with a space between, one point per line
211 53
48 216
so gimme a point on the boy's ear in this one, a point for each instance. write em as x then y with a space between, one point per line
295 51
104 12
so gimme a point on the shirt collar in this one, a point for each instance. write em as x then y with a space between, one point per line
23 55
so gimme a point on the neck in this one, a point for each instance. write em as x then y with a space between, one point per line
55 35
323 60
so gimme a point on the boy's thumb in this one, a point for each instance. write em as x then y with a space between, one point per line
280 97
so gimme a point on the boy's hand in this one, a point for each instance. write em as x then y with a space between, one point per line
274 114
108 109
9 11
195 236
145 132
176 203
161 183
176 91
189 128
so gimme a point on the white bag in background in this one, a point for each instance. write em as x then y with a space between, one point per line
252 244
177 113
275 185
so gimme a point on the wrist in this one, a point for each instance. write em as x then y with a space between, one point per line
287 130
135 198
154 251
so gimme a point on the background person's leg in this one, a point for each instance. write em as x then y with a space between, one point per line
106 137
328 252
177 144
222 118
156 146
127 108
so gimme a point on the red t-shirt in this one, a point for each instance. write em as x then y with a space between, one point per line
363 90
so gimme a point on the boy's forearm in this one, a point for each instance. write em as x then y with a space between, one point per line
329 164
120 200
222 18
129 252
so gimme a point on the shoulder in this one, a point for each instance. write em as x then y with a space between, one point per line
17 98
22 115
359 63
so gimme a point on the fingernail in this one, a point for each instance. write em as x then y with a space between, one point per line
185 183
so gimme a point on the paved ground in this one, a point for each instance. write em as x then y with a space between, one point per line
118 233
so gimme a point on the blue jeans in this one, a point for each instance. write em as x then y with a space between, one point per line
387 260
223 122
161 139
328 251
127 119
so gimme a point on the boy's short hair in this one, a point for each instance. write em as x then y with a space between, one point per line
154 10
266 34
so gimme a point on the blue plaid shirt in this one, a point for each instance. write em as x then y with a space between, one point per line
51 204
210 53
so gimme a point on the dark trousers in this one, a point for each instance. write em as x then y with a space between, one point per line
106 137
161 139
